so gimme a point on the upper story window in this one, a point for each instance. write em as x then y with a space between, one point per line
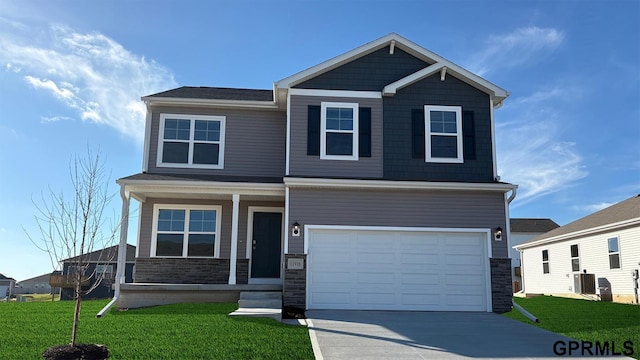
186 231
614 253
575 258
443 130
339 131
545 261
191 141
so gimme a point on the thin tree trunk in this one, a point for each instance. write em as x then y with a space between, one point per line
76 313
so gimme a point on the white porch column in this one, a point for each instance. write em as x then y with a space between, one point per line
234 239
122 246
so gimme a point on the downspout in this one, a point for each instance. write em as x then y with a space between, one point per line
122 251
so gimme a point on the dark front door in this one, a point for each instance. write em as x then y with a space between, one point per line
265 256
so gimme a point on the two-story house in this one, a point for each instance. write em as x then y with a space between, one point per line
367 181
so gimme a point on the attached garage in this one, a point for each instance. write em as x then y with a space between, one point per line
398 269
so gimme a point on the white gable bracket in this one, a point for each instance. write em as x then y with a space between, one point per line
391 89
443 73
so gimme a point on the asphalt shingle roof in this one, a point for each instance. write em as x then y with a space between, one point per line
216 93
624 210
532 225
109 254
191 177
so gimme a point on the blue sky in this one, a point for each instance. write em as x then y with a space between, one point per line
71 76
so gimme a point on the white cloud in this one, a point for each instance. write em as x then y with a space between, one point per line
89 73
516 48
54 118
12 68
591 208
530 149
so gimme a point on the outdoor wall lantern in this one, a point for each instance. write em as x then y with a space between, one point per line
498 234
295 229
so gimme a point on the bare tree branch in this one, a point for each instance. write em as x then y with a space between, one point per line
73 227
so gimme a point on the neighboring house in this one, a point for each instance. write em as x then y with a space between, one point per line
7 286
99 261
593 257
368 181
36 285
521 231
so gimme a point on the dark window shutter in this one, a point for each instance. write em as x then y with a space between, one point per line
313 130
468 135
364 129
417 133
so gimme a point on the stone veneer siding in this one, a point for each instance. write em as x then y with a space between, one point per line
294 287
182 271
501 287
242 271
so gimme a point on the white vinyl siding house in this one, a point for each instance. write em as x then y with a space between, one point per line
594 252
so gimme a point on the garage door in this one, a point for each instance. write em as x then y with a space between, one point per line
397 270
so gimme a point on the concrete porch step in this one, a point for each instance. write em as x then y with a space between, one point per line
260 304
259 312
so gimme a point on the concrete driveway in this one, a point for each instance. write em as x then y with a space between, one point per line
344 334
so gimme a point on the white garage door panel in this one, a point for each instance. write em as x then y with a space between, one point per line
397 270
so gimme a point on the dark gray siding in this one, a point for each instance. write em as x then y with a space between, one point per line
301 164
254 142
146 224
398 161
371 72
444 209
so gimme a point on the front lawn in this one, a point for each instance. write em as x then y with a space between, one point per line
182 331
584 320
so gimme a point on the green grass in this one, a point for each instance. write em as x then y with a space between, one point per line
584 320
182 331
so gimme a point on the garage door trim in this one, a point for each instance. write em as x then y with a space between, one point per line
485 231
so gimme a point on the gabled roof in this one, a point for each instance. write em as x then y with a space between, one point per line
2 277
394 40
214 96
37 279
623 214
203 92
539 226
109 254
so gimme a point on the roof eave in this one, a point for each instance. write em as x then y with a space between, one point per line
579 233
171 101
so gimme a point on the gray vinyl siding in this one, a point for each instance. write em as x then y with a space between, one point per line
254 142
146 224
371 72
301 164
398 161
397 208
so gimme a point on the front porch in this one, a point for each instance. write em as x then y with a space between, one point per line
136 295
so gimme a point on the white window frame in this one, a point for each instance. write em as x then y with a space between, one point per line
185 242
192 121
574 258
614 253
324 131
545 262
458 135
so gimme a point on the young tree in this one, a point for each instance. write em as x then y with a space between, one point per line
73 226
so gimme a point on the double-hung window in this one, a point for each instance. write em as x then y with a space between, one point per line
443 130
191 141
545 261
575 258
339 131
186 231
614 253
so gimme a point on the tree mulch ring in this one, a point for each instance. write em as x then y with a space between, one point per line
77 352
292 312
